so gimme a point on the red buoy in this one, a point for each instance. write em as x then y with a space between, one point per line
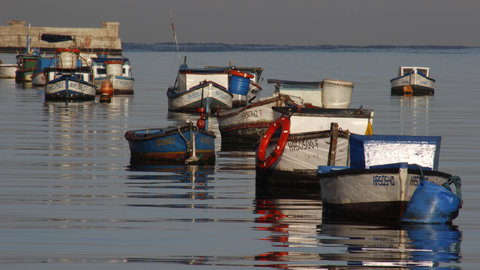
201 121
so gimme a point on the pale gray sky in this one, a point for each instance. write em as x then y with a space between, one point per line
283 22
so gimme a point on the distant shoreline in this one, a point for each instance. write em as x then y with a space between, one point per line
211 47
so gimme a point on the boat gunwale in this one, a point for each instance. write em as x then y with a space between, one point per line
324 112
131 134
358 171
173 93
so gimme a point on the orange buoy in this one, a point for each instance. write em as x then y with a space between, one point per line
407 90
107 87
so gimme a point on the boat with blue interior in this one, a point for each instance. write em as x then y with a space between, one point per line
216 88
390 178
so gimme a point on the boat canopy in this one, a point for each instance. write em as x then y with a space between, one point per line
369 151
425 71
55 38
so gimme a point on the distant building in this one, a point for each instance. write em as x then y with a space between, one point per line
13 38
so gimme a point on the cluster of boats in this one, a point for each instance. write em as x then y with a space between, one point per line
306 135
70 75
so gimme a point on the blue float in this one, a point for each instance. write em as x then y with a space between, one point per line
239 85
432 203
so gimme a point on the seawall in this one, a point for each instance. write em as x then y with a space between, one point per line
13 38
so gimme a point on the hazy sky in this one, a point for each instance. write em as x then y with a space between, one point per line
291 22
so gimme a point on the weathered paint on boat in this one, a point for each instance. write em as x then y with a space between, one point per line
69 87
413 81
308 144
170 146
369 194
247 124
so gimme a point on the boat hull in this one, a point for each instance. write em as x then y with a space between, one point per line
39 79
247 124
160 146
308 144
371 194
208 94
419 85
69 88
121 85
7 71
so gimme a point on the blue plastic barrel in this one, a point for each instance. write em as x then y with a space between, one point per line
239 85
431 203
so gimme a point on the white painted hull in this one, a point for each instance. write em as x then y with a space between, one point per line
305 152
210 95
372 194
65 88
308 144
311 122
121 85
372 186
7 71
248 124
418 83
39 79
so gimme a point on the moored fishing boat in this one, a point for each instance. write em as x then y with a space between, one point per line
26 64
7 71
214 87
247 124
184 144
413 81
304 143
391 178
70 79
299 140
117 69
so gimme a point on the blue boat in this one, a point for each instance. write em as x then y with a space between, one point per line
391 178
185 144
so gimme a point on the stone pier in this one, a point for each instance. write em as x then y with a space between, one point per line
13 38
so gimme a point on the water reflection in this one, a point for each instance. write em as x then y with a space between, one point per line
292 218
170 182
82 130
299 238
414 115
422 245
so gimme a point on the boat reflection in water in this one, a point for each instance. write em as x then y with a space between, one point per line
414 115
300 239
158 178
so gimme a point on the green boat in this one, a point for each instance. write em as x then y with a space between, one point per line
26 63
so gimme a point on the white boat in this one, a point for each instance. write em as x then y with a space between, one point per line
212 87
384 173
413 81
247 124
7 71
294 156
336 93
70 79
117 69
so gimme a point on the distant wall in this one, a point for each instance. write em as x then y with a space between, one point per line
13 38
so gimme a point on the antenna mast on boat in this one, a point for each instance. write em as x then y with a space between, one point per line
175 36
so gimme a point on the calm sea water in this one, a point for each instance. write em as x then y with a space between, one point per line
69 198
